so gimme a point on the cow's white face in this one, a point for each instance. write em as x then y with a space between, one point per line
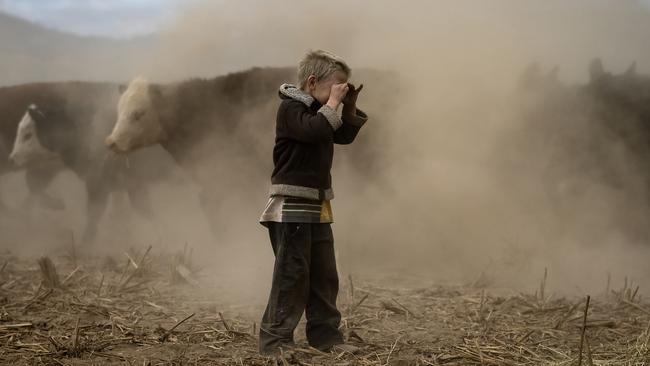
27 147
138 123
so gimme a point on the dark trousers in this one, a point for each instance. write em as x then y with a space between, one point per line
304 279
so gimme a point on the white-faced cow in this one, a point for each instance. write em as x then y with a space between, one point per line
69 134
14 100
218 130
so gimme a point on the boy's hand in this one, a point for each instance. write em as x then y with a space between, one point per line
337 94
352 95
350 100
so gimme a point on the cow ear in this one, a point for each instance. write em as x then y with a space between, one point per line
631 71
36 113
122 88
596 70
155 91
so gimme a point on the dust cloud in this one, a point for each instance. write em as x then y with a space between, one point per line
442 198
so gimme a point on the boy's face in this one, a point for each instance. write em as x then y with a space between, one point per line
320 89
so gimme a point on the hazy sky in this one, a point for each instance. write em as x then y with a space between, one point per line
117 18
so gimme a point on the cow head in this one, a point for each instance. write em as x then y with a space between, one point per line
534 80
138 120
28 148
629 90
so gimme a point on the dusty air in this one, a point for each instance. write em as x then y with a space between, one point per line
343 183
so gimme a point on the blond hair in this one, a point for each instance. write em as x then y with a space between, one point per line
320 64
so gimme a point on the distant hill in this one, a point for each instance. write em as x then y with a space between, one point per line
30 52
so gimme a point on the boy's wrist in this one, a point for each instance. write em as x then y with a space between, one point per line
333 103
349 109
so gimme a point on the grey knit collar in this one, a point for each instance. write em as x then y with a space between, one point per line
295 93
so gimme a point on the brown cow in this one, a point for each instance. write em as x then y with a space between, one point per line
199 120
576 139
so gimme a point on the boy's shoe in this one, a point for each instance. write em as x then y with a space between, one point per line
344 348
276 351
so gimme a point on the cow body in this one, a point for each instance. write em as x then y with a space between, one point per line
219 130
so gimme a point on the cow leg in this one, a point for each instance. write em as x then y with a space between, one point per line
95 208
5 210
3 206
38 179
141 202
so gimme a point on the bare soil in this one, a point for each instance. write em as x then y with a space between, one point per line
154 309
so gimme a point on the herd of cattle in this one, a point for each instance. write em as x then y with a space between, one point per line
593 130
218 130
586 144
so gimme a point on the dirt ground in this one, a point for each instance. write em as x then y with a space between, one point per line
147 308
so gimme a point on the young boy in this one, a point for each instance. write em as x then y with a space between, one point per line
298 213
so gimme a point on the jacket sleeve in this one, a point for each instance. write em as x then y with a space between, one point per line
299 123
350 128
